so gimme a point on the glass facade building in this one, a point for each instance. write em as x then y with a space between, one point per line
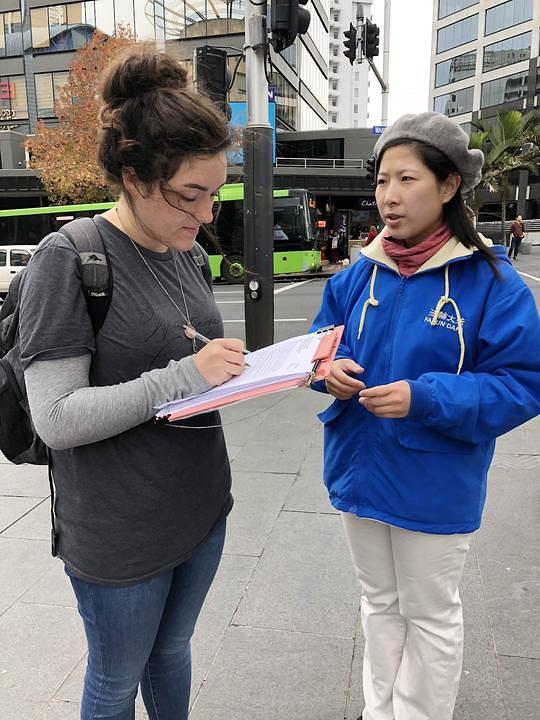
485 58
497 60
38 39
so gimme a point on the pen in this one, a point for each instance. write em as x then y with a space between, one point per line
192 334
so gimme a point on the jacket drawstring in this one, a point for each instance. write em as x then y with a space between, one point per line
370 301
442 302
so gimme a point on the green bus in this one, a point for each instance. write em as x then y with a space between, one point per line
295 230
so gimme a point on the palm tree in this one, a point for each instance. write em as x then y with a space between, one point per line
510 143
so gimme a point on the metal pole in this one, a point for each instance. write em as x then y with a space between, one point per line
258 182
377 74
386 63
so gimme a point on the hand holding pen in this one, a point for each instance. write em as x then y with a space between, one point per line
220 359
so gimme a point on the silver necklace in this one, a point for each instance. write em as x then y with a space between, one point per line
188 328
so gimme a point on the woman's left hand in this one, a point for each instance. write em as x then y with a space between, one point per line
387 401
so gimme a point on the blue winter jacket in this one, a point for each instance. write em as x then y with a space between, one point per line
470 382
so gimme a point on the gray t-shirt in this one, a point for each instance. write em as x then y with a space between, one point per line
140 502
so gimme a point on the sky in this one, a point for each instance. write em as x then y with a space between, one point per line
410 55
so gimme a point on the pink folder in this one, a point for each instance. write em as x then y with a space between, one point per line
297 373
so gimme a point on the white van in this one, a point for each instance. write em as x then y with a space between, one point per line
12 259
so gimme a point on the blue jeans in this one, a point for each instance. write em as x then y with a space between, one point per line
515 245
140 634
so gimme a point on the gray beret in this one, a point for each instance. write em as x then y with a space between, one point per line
442 133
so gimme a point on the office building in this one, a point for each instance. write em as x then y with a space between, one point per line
348 84
38 39
485 59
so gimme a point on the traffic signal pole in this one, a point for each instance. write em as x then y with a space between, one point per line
258 183
386 63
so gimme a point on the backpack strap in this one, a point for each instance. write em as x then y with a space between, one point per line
96 282
200 259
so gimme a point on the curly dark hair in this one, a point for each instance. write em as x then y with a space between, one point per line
151 120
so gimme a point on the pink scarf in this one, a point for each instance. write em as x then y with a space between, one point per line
409 259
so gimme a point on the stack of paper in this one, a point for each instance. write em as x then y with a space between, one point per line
286 364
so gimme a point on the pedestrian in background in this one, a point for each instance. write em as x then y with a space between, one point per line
517 233
140 509
372 234
440 355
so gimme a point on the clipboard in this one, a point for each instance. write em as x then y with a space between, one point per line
288 364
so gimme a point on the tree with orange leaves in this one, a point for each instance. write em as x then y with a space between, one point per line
66 154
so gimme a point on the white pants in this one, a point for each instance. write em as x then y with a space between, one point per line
411 617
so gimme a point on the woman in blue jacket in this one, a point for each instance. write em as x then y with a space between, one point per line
440 355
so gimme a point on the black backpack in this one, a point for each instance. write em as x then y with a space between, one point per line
19 441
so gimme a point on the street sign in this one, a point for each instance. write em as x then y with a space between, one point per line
378 129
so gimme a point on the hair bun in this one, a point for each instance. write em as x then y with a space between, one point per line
139 71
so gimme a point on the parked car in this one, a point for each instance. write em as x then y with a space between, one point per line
12 259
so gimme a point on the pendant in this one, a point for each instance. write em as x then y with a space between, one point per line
191 334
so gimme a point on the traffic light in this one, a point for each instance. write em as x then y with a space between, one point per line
350 43
371 39
211 74
371 169
287 20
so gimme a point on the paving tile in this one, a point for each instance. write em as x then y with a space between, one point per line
271 675
522 440
23 480
20 708
53 588
308 493
521 681
258 499
481 692
35 525
14 508
232 578
24 562
354 693
508 555
304 581
40 646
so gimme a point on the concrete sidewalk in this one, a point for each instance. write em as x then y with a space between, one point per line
279 637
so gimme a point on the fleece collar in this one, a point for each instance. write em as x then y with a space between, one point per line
451 251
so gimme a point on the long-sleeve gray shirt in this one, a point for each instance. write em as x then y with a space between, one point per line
133 498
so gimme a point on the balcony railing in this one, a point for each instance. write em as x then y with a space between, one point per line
326 163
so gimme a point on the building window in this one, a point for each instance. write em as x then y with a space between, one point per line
333 117
356 76
355 109
13 103
333 102
455 69
48 87
334 84
457 33
449 7
454 103
509 13
335 51
508 51
335 34
62 27
504 90
356 92
11 34
335 15
286 100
